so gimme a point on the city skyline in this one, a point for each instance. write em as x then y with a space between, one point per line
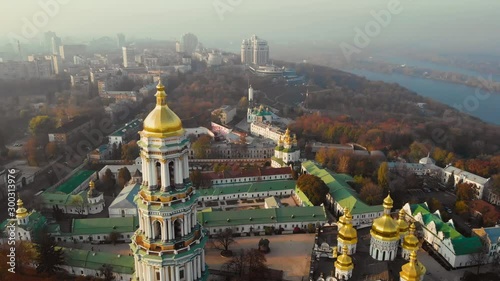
224 22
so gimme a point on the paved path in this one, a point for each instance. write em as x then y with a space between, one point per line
290 253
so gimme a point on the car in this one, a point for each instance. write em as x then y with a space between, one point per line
427 190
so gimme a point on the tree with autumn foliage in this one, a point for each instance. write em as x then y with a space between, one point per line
383 175
372 194
465 192
314 188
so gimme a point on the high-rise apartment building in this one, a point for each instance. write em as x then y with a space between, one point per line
187 44
254 51
128 56
120 39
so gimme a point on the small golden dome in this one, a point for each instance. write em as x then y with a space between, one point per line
413 270
388 202
344 262
347 233
410 242
343 220
385 228
21 212
402 224
162 121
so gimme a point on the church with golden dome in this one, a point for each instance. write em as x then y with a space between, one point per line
389 241
384 234
169 244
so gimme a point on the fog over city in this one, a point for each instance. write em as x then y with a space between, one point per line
455 26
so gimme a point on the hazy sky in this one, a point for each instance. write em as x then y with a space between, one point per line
459 25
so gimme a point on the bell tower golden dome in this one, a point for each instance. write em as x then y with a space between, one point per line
162 121
347 235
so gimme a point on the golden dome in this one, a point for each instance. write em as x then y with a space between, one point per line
402 224
385 228
410 242
21 212
388 203
344 262
413 270
162 121
343 220
347 233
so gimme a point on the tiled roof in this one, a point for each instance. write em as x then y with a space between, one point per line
340 190
126 197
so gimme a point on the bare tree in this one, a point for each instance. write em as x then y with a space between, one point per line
480 258
248 265
223 240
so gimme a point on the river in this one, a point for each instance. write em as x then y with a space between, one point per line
483 105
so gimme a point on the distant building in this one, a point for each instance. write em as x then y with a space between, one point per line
67 52
128 54
478 183
70 131
491 239
187 44
55 44
120 40
287 152
267 131
214 59
254 51
126 132
225 113
259 114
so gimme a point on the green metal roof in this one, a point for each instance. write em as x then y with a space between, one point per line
278 160
461 245
76 180
263 186
104 225
303 197
262 216
340 189
95 260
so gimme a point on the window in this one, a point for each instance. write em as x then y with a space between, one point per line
181 273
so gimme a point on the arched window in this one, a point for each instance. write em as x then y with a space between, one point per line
178 229
156 230
171 173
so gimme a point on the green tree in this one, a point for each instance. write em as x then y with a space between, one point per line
264 246
200 146
50 258
108 179
314 188
383 175
123 176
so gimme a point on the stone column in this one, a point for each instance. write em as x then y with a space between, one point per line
164 174
186 166
178 172
162 274
177 273
202 259
172 272
188 222
151 271
169 228
188 273
152 173
164 235
198 266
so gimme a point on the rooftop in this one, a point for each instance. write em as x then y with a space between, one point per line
344 194
132 125
75 181
104 225
262 216
467 175
73 124
93 260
